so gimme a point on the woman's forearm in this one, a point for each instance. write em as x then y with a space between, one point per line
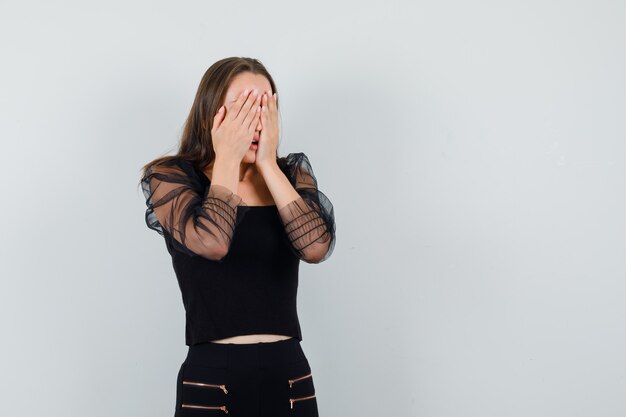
226 173
281 189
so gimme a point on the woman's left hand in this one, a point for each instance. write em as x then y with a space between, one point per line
268 141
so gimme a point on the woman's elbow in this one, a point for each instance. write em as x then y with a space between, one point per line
315 253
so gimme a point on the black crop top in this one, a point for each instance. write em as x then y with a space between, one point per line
237 265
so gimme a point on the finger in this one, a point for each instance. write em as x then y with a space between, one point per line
264 109
272 102
235 108
254 118
247 108
253 113
218 119
259 120
270 110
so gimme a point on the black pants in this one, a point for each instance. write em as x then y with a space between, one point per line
270 379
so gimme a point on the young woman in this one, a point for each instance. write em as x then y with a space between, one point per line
237 220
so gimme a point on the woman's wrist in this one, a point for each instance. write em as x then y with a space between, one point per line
226 173
267 167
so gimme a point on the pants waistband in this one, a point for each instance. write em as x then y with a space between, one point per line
235 355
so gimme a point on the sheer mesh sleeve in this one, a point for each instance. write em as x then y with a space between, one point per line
309 221
198 220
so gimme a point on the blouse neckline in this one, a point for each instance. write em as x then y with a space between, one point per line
208 181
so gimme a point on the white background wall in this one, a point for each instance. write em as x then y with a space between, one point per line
474 151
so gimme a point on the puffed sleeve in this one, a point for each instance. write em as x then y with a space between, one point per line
309 221
197 219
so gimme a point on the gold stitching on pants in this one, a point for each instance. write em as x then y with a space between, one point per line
298 379
293 400
202 384
292 381
207 407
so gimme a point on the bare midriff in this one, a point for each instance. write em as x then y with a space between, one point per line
253 338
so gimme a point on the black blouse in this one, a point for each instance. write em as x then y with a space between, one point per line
236 264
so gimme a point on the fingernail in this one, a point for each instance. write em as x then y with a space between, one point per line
245 91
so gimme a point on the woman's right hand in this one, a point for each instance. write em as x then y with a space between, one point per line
233 127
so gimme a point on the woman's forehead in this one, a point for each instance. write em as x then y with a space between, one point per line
233 94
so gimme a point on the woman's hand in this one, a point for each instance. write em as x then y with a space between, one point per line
233 127
268 142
